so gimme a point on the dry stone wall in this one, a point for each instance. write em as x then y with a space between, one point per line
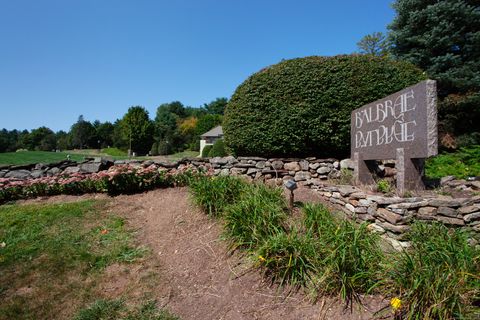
389 216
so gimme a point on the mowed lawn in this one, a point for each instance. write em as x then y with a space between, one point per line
27 157
53 261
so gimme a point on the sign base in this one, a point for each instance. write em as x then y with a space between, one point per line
409 172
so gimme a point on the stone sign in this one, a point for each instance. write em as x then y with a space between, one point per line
402 126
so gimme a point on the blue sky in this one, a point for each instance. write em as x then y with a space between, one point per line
63 58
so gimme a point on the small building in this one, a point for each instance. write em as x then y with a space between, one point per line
209 137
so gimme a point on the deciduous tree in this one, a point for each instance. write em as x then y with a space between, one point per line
137 129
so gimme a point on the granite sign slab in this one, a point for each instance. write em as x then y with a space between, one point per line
401 126
406 119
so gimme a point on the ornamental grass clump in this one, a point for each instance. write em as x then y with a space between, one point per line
288 257
259 213
348 255
438 277
351 263
213 194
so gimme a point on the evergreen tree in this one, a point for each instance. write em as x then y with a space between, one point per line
82 134
443 38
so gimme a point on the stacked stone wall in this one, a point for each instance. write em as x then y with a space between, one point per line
389 215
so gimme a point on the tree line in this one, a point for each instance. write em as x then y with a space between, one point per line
175 128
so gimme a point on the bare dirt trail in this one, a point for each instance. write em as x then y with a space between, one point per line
201 280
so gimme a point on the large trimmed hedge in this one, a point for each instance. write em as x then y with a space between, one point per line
302 107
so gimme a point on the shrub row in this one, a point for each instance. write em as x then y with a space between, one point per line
437 278
117 180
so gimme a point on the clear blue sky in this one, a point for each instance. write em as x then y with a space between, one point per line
63 58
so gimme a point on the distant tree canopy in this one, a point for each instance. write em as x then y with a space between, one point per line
175 128
374 44
302 107
217 106
208 122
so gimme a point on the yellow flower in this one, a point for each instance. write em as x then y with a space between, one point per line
261 258
396 303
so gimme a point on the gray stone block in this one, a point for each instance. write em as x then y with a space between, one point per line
447 211
90 167
18 174
475 216
451 221
389 216
302 176
277 165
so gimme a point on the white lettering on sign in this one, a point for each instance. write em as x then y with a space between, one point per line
400 131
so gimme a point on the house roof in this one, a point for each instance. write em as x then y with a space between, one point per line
215 132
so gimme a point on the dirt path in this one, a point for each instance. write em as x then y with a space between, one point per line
202 280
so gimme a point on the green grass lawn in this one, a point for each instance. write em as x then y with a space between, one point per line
54 255
183 154
27 157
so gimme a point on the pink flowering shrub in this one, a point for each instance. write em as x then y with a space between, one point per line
119 179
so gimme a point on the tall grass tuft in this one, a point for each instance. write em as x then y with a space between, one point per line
348 255
352 259
318 219
289 257
213 194
258 214
439 276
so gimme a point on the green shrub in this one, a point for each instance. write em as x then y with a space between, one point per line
206 150
289 257
164 148
438 277
257 215
302 107
154 149
461 164
218 149
213 194
383 186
